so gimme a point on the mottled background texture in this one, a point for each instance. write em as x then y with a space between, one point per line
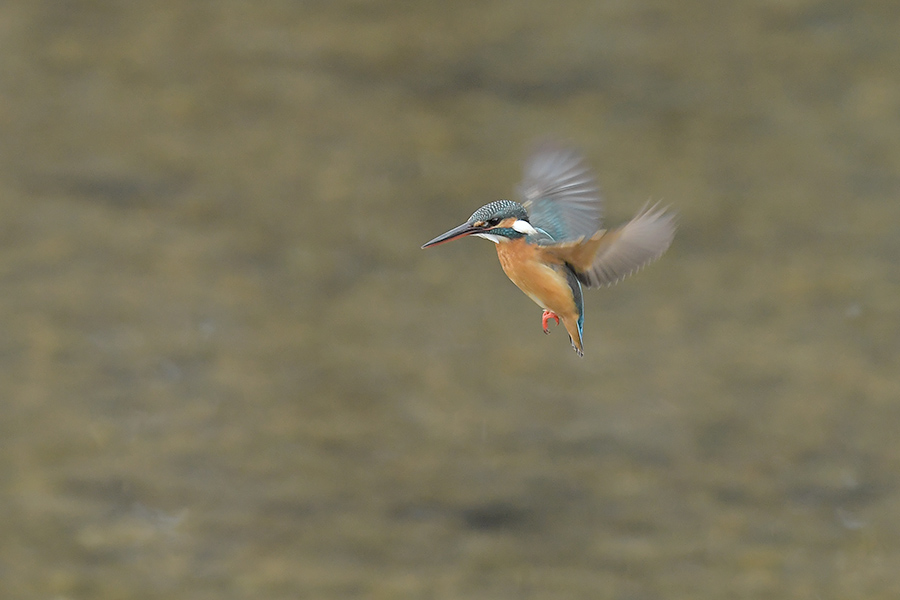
228 371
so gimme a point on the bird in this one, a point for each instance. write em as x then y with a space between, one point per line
552 242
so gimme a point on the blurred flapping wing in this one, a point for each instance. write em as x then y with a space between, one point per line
560 194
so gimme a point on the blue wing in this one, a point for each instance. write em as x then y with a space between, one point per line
560 194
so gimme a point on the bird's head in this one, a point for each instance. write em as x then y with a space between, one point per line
499 221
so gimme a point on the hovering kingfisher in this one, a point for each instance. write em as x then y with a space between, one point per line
552 242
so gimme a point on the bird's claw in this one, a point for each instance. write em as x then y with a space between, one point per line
546 317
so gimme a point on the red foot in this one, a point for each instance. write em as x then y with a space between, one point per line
546 317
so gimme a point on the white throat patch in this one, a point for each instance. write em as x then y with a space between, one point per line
490 236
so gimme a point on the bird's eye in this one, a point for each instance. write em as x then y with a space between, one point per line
493 222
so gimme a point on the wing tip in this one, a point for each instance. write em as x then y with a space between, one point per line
559 188
653 229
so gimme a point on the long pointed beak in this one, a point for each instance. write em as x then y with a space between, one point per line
457 232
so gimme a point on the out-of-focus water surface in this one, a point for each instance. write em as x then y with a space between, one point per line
230 372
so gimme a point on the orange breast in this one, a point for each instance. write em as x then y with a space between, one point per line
532 271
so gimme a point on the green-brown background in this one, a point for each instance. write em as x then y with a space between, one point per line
228 371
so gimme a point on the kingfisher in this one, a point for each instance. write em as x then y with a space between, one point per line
552 242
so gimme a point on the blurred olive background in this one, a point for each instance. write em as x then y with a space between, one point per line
228 370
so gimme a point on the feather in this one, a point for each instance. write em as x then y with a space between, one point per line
560 194
609 256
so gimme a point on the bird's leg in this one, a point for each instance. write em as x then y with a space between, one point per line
548 314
